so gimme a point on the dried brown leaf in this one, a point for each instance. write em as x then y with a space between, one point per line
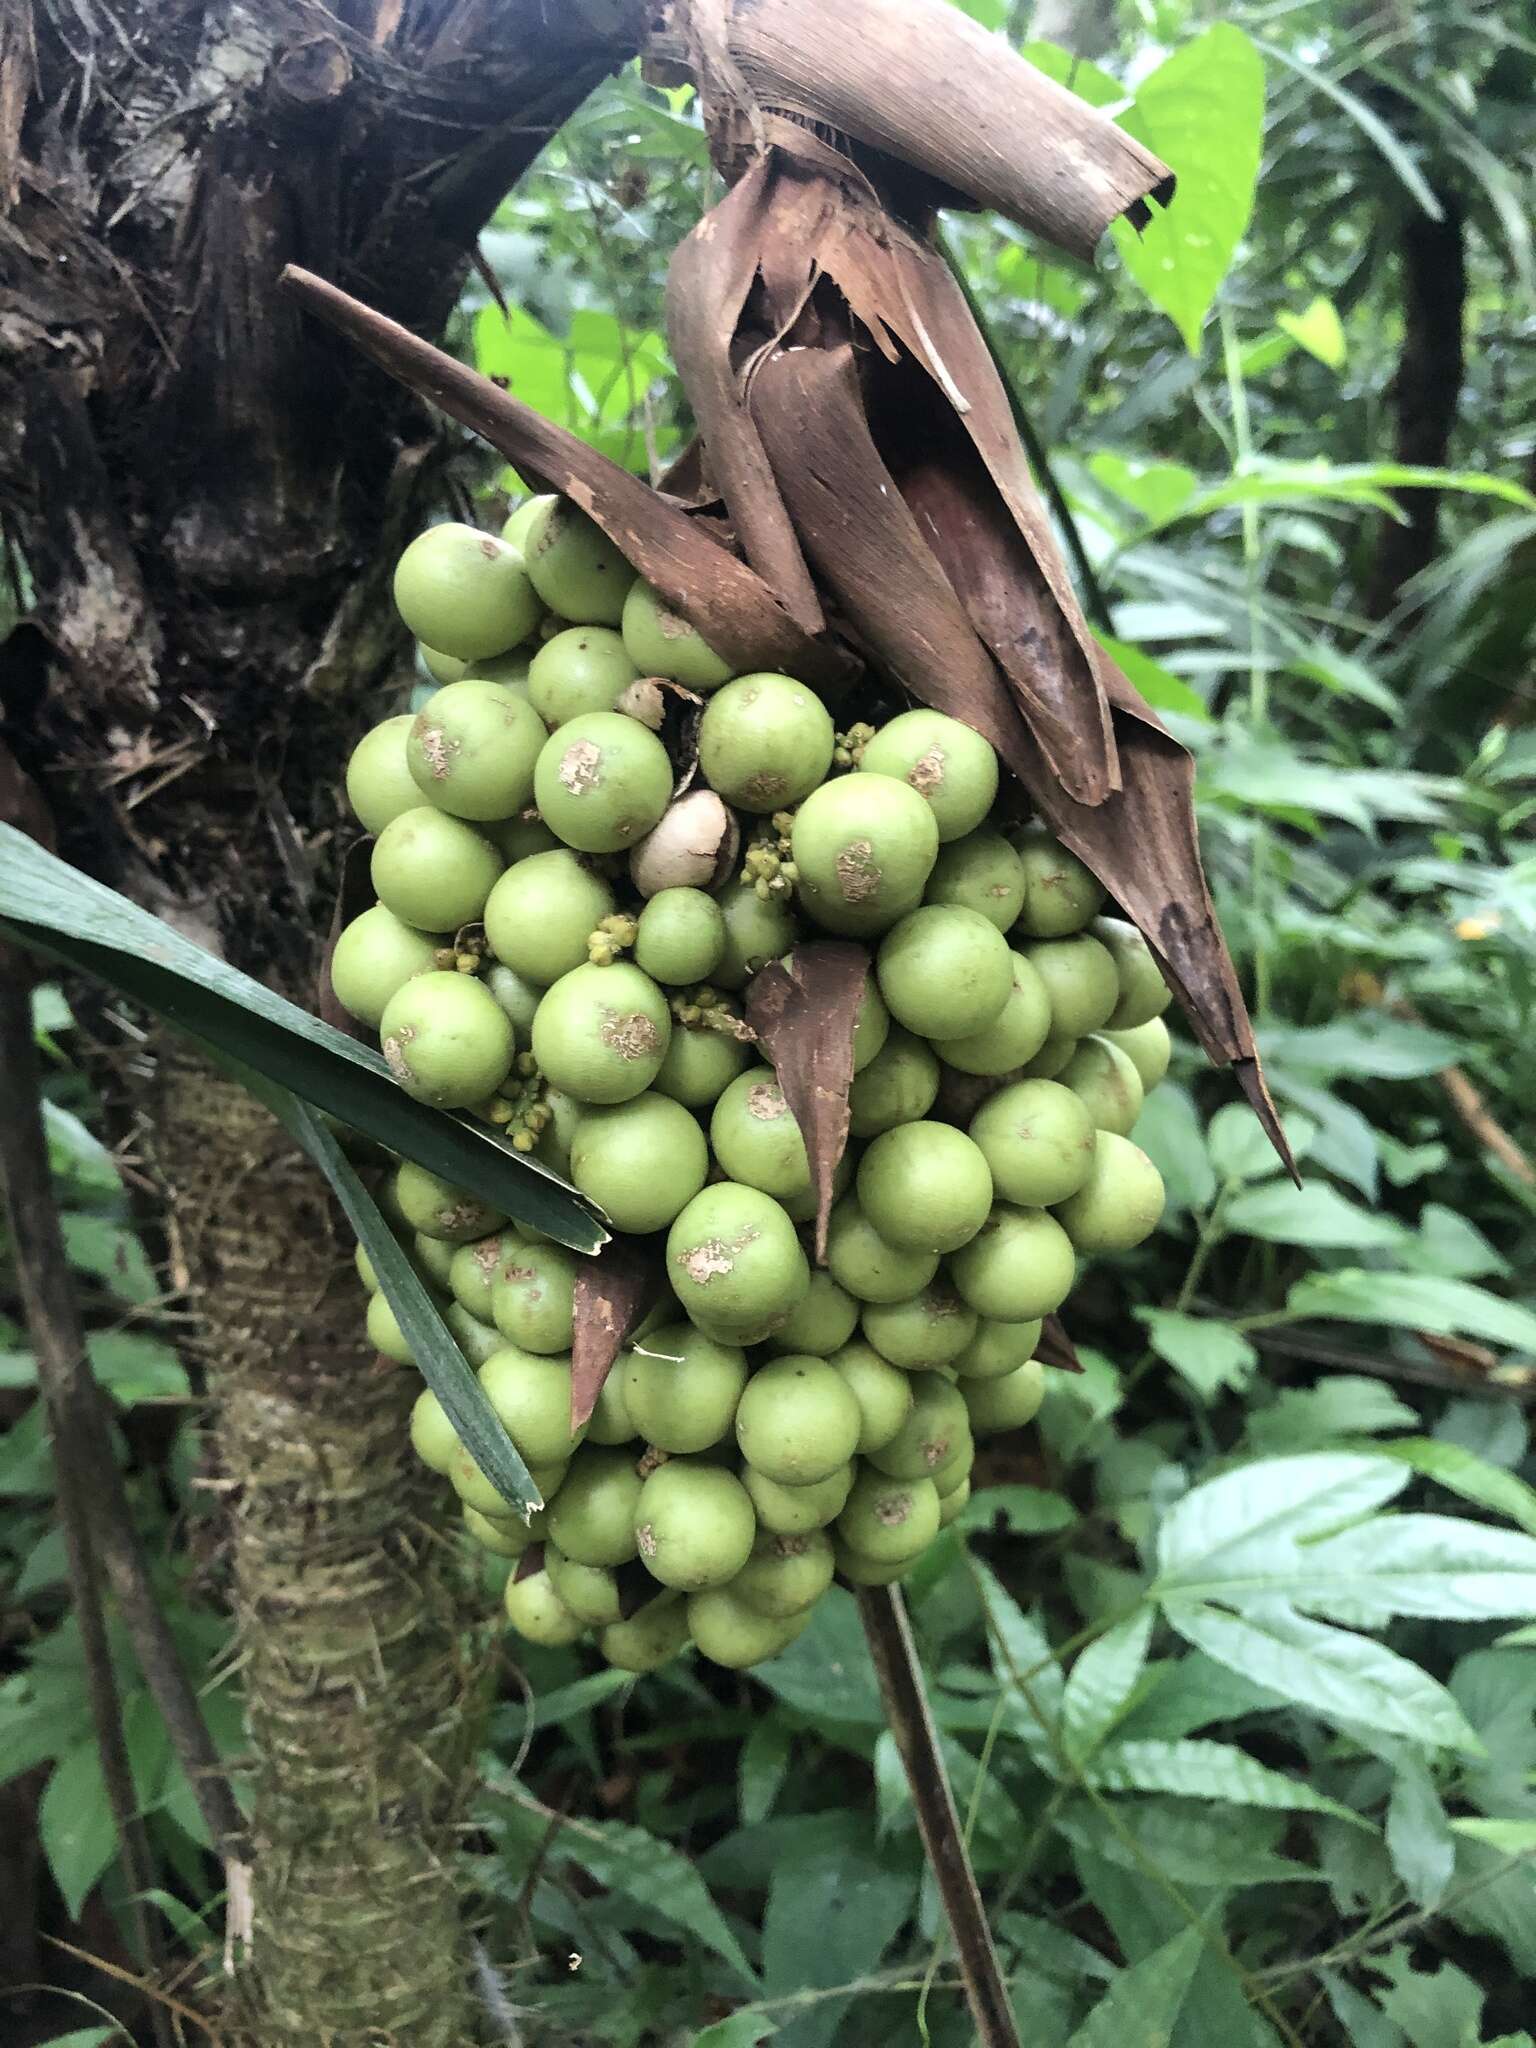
1056 1347
615 1291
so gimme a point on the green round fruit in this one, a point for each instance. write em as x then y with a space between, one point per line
433 1437
541 914
611 1422
592 1517
432 1257
822 1323
756 931
802 1208
516 838
735 1262
433 871
602 782
681 1388
883 1393
518 997
950 766
925 1187
509 671
700 1065
694 1524
871 1025
476 1490
889 1520
923 1332
1006 1403
798 1420
862 1261
996 1349
1014 1037
898 1086
1018 1266
641 1161
374 957
981 872
1148 1048
464 592
1037 1140
1106 1082
573 565
1080 980
929 1438
538 1613
582 669
442 668
472 1273
765 741
728 1632
601 1033
1048 1062
532 1396
1143 992
447 1040
1119 1204
502 1539
755 1137
860 1570
379 781
863 847
680 937
515 531
477 1340
944 973
648 1639
661 643
785 1575
795 1510
533 1297
1060 895
590 1591
471 750
430 1205
953 1505
363 1266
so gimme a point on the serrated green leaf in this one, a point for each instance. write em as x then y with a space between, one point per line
1418 1834
1314 1214
75 1826
1239 1148
1343 1405
1234 1525
763 1768
1141 2006
1169 1132
832 1912
826 1671
1100 1684
1462 1471
1512 1837
1434 1566
641 1867
1414 1301
1207 1354
1022 1510
1162 689
1374 1047
1193 1769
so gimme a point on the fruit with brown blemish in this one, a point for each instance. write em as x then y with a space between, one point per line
661 642
863 847
474 1268
1037 1139
889 1520
950 766
431 1205
921 1333
601 1033
785 1575
471 750
755 1137
765 741
1060 895
602 782
465 593
446 1040
533 1297
931 1434
981 872
694 1525
515 529
573 565
735 1263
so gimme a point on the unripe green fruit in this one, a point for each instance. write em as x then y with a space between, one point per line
601 1033
533 1295
898 1086
1060 895
795 1510
996 1349
1014 1037
464 592
611 1422
728 1632
944 973
442 668
1037 1139
1148 1048
582 669
785 1575
477 1340
602 781
433 871
1143 992
532 1396
889 1520
430 1205
592 1518
981 872
433 1437
374 956
765 741
863 847
694 1524
591 1591
735 1262
700 1065
1106 1082
661 643
860 1570
541 914
924 1187
641 1161
502 1539
538 1613
380 785
681 1388
862 1261
1017 1267
574 566
958 1469
1048 1062
756 931
871 1025
953 1505
509 671
884 1395
680 937
472 1275
950 766
1080 980
471 750
475 1490
798 1420
363 1266
515 531
648 1639
433 1257
822 1323
515 839
755 1137
1119 1204
802 1207
925 1331
1005 1403
447 1041
518 997
937 1427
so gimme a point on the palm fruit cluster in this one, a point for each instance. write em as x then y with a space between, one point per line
562 947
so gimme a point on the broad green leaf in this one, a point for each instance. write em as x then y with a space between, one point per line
1366 484
1162 689
1343 1405
1168 1131
1418 1834
741 2030
1394 150
1435 1566
46 1564
763 1767
75 1826
1188 1841
1188 1693
1100 1684
1319 330
1079 74
832 1912
1206 1770
1208 1355
1438 2008
1235 1524
1022 1510
1315 1215
1022 1657
1371 1046
990 13
112 1253
1452 1245
1158 490
1511 1837
1141 2006
1414 1301
639 1866
1462 1471
826 1671
1239 1148
133 1367
1202 111
76 1153
58 910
